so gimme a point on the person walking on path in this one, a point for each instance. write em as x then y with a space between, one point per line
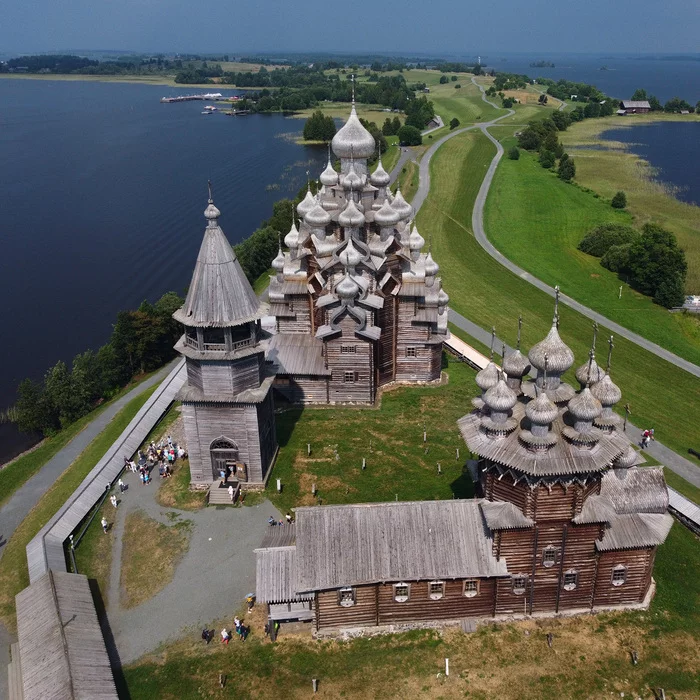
225 636
230 492
113 500
104 524
122 486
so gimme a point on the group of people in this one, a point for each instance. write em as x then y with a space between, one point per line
272 521
647 437
162 455
241 630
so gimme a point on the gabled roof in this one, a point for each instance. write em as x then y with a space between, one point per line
635 490
636 104
375 542
502 515
219 294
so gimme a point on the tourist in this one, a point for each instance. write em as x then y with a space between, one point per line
244 632
180 453
207 635
289 518
122 485
230 492
104 524
170 441
271 521
250 602
267 628
113 500
225 636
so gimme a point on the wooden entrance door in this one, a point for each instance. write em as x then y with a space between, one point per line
224 455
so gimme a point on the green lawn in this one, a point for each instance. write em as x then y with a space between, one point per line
25 466
537 220
390 438
13 565
483 291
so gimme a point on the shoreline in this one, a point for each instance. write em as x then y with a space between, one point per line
131 79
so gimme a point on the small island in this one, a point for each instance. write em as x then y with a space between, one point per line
542 64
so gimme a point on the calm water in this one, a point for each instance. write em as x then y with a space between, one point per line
665 79
102 190
673 148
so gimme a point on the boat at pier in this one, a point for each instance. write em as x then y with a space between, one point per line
188 98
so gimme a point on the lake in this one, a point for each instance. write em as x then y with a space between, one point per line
673 148
102 192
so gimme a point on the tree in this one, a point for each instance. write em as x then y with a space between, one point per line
319 127
655 104
547 158
396 124
599 240
670 292
542 99
514 153
676 104
410 136
34 413
457 86
567 169
697 107
444 79
553 144
453 78
639 95
619 201
561 120
530 140
454 123
388 127
508 102
616 258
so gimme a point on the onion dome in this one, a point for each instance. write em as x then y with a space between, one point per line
431 267
500 398
347 288
317 217
404 209
541 411
443 298
386 215
353 140
628 458
329 176
487 377
559 355
415 240
351 216
306 204
350 257
291 240
278 262
516 364
380 177
584 407
606 391
596 373
211 212
351 180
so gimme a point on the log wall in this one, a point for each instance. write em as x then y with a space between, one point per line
330 614
639 563
231 377
303 390
300 322
359 362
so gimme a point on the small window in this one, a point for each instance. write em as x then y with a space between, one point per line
471 588
619 575
436 589
519 584
346 597
410 352
549 556
347 349
401 592
348 377
570 580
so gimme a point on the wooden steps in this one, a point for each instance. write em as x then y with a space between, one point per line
218 495
15 674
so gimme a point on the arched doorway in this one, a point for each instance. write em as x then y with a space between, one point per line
224 458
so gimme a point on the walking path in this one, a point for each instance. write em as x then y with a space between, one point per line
210 582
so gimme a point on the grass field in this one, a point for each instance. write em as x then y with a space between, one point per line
590 656
537 220
21 469
613 169
482 290
13 565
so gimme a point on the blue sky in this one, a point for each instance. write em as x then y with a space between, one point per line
436 27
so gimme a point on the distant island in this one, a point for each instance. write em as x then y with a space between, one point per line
542 64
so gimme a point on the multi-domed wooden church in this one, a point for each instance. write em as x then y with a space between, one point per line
567 520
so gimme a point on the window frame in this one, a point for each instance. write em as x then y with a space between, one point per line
343 601
348 349
433 595
411 351
617 570
519 590
349 377
572 585
402 598
470 593
549 549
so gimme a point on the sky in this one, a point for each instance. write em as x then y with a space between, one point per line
435 27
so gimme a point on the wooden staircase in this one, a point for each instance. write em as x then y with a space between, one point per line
15 674
218 495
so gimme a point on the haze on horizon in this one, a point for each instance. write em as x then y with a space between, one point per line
441 27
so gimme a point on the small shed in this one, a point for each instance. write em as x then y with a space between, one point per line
635 106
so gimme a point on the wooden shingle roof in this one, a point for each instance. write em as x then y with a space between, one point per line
275 575
61 645
219 294
373 542
297 354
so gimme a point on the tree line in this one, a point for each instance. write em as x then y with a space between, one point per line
542 136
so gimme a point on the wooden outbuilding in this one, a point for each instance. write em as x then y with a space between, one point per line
635 106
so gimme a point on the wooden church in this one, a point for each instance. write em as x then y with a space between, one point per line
567 521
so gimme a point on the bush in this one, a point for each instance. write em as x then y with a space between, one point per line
567 168
410 136
457 86
619 201
453 78
616 257
444 79
547 159
670 292
508 102
599 240
514 153
454 123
